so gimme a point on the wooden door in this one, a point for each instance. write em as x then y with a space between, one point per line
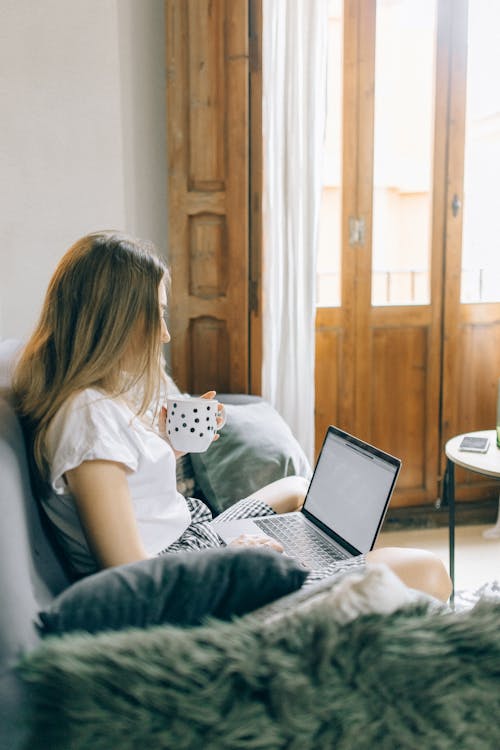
378 353
208 151
471 355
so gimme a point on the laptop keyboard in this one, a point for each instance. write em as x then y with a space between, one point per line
300 540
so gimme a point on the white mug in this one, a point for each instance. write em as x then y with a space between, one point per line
191 423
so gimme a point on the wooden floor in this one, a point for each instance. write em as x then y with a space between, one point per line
477 560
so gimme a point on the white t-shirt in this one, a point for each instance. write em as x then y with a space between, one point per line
91 426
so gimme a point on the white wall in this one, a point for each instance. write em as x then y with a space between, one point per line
82 136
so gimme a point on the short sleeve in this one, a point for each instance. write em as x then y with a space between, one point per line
88 427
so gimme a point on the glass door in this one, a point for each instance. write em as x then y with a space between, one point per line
471 358
380 258
405 74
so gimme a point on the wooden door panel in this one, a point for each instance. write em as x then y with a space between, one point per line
478 370
329 348
398 397
208 149
478 377
206 87
208 256
210 344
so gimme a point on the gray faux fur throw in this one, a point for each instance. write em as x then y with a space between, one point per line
415 677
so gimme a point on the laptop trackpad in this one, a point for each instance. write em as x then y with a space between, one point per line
230 530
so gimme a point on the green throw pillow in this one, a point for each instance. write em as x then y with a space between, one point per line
255 447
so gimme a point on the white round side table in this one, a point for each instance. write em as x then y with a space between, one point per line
482 463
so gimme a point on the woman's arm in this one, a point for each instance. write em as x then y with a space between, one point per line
103 502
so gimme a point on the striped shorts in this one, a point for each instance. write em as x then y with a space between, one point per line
200 535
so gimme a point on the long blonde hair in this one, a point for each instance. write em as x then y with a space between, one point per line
102 299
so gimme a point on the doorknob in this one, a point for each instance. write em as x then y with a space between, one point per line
456 205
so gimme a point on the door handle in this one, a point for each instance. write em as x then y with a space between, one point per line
456 205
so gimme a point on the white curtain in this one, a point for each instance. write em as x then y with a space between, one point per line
294 111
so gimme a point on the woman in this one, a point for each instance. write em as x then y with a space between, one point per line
89 387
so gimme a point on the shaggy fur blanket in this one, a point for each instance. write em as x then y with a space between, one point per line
417 677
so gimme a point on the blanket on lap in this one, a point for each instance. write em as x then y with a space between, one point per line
417 676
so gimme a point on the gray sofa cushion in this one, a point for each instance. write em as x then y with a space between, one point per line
186 479
30 571
255 447
9 349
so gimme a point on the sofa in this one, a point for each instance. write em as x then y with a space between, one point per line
357 662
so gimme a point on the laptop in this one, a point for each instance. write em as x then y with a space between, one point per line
344 508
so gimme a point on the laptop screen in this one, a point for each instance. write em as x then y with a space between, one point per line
351 488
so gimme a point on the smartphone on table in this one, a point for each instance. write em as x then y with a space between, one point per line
474 444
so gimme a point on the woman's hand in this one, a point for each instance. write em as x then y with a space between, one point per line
256 540
221 416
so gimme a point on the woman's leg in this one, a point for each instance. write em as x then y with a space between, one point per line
417 568
283 495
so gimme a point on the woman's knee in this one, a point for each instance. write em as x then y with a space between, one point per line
297 488
285 495
419 569
437 581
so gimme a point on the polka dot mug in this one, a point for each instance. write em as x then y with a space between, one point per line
191 423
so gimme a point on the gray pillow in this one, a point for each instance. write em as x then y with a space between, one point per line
255 447
182 589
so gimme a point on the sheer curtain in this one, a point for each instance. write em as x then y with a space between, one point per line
294 111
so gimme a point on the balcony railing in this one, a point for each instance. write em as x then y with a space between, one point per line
411 287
